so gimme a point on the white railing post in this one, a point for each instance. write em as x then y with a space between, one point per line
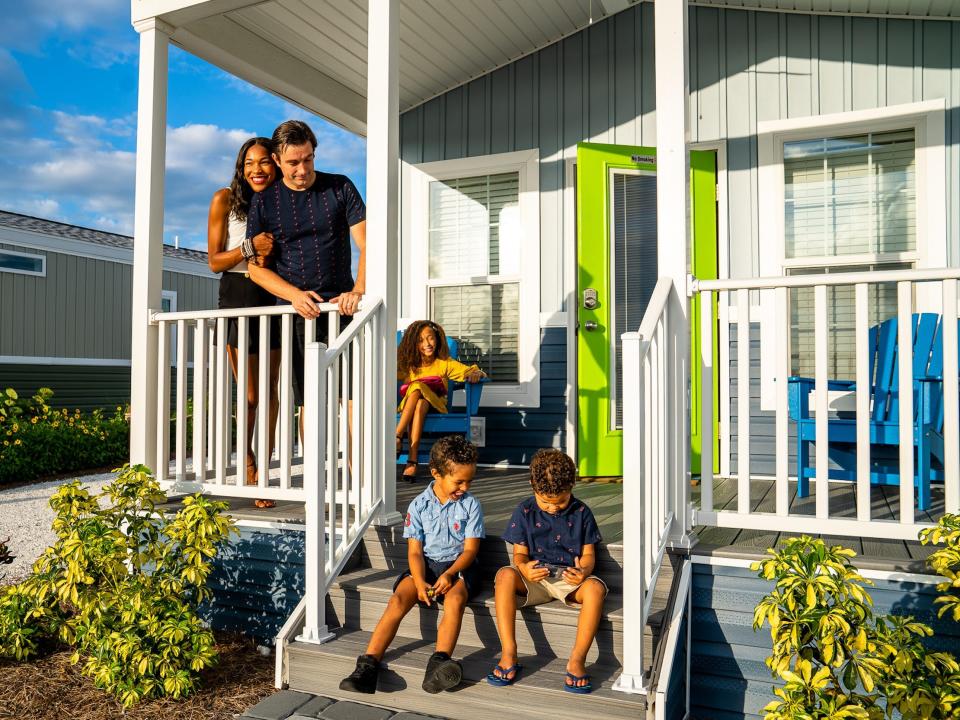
148 237
314 458
383 165
632 679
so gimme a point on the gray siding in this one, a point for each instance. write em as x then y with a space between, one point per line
81 309
728 677
257 582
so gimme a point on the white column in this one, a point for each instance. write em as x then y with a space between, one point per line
673 233
383 165
148 237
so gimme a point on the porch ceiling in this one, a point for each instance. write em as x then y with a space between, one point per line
314 52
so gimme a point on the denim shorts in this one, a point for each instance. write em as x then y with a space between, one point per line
436 568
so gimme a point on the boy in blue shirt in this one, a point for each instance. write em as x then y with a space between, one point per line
554 537
443 527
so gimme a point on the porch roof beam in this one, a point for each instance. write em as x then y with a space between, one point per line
230 46
181 12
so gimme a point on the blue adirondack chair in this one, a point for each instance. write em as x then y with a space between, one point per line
928 412
454 421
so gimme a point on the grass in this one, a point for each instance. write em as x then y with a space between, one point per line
53 689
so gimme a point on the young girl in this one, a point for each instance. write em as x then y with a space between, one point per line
254 171
425 366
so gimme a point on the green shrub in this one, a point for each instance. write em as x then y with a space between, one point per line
121 585
37 440
836 657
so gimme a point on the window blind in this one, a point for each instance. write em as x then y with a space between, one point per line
474 226
485 319
474 231
850 195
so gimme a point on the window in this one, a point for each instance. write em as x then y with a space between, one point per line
23 263
473 226
858 191
846 198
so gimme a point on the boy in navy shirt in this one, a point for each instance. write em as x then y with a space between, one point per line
443 527
553 536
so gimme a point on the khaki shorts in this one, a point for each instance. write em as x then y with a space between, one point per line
551 589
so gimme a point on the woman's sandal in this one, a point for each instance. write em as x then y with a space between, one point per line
578 689
261 503
502 680
410 476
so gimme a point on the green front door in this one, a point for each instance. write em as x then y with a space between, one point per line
616 274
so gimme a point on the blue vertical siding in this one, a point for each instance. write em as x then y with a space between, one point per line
728 677
257 582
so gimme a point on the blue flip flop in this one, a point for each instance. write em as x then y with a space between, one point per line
578 689
499 681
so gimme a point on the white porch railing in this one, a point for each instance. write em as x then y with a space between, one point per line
213 458
654 468
916 291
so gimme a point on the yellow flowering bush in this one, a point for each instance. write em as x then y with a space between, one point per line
37 440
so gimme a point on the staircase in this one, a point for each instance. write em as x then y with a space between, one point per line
545 635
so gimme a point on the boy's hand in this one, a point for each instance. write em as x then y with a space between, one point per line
574 575
443 584
531 572
424 592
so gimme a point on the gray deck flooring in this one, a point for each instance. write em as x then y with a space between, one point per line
499 491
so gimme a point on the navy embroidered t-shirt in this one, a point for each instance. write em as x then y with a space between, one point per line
311 231
555 539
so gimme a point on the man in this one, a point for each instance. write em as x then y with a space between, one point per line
311 217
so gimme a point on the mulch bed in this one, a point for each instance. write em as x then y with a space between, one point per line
53 689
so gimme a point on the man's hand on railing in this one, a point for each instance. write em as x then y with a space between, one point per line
349 302
305 303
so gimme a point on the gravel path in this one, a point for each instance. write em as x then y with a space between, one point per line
25 517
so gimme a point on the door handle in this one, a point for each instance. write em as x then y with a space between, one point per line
590 325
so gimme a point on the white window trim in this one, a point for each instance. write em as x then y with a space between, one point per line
927 119
31 273
416 180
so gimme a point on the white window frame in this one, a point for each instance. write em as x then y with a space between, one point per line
927 119
416 197
41 258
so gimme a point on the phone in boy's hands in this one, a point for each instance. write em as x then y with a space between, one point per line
555 570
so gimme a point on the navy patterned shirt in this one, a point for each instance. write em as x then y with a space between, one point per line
555 539
311 231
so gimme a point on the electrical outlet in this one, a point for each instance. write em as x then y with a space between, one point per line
478 431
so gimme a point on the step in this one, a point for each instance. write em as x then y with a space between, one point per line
537 694
386 548
357 600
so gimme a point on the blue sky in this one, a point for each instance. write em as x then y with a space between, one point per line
68 102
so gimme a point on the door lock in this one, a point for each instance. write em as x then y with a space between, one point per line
590 301
590 325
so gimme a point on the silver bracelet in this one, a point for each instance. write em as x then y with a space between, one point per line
247 249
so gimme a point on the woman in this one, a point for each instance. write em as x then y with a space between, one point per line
227 253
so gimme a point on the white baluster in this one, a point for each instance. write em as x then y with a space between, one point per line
951 399
822 401
905 367
743 401
862 338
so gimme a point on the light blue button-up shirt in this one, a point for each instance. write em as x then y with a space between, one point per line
443 527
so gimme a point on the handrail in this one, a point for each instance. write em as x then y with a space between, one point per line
230 313
352 330
681 606
797 281
651 316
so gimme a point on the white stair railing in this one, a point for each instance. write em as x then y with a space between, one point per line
832 511
653 473
342 446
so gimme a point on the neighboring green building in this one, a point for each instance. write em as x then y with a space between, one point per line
65 307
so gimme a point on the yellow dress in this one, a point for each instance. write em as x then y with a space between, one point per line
447 369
